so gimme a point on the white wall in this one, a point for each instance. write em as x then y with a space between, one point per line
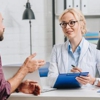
16 44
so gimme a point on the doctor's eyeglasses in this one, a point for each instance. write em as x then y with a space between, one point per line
70 23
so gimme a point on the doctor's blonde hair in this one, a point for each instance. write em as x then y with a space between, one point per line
79 17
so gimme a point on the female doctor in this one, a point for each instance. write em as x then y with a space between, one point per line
75 51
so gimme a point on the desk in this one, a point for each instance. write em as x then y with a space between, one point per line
69 94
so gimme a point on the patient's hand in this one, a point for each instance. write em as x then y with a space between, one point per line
29 87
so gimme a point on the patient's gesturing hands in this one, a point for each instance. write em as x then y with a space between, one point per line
31 64
29 87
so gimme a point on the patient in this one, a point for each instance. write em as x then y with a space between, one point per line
29 87
30 65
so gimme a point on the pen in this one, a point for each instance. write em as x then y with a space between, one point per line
72 65
79 70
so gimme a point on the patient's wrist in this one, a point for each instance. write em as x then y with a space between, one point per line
17 90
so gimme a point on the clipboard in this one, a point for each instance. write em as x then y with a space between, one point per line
68 80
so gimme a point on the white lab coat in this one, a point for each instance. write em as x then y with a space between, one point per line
89 60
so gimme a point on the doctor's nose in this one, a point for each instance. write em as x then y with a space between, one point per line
67 26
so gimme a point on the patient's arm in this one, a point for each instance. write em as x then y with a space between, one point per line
29 87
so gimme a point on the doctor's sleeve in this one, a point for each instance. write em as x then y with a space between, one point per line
98 61
53 68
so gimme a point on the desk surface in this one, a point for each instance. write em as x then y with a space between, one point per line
69 94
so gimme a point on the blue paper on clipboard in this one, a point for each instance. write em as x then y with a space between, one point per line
68 80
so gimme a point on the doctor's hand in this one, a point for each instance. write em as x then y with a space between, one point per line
86 79
29 87
76 69
83 79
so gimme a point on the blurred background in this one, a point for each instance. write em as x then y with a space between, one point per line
45 27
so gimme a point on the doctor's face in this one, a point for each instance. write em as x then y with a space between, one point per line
1 28
70 26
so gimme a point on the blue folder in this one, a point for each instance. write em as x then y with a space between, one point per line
68 80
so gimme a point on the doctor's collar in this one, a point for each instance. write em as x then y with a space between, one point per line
78 47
